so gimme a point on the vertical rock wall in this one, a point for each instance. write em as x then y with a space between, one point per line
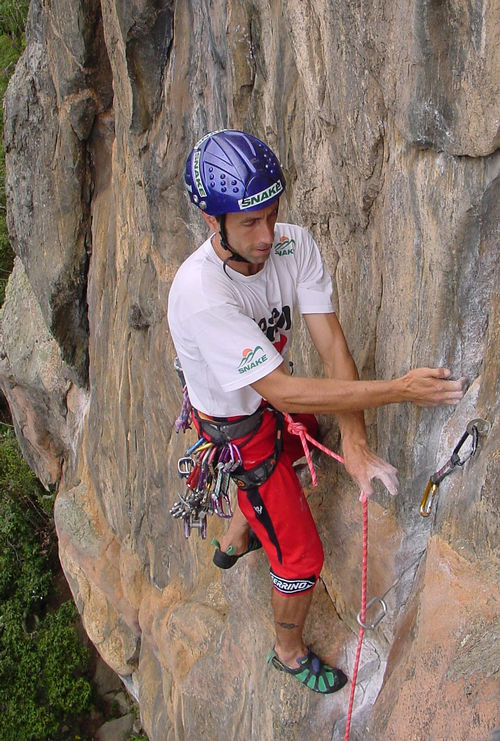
385 117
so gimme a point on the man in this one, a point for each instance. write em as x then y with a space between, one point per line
230 313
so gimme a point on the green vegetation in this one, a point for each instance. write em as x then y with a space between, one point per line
43 687
13 15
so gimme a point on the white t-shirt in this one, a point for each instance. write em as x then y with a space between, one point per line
231 330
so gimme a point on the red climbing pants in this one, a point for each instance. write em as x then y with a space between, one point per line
277 510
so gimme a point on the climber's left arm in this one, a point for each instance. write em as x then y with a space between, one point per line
360 461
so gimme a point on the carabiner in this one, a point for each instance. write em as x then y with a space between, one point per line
372 626
426 503
203 447
234 460
179 371
472 432
218 506
196 445
184 466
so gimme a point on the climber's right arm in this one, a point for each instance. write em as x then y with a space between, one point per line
426 387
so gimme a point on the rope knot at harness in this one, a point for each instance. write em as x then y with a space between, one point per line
298 428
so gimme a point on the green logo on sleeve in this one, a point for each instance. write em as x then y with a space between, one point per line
251 359
285 246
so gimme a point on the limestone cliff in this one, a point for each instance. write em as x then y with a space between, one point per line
385 118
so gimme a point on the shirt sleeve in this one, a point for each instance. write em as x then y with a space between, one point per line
234 347
314 285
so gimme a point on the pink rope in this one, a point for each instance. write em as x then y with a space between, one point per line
364 501
297 428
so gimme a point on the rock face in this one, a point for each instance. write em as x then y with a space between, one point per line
385 117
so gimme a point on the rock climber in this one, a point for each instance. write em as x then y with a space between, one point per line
231 311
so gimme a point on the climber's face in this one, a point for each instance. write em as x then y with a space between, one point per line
250 234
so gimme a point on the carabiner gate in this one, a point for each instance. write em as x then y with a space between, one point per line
426 503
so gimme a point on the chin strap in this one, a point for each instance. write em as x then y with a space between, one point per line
225 245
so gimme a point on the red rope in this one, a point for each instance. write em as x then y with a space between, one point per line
297 428
363 614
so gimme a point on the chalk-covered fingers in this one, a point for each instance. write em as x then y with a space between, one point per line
431 387
363 466
388 475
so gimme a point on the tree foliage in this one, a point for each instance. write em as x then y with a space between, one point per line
43 686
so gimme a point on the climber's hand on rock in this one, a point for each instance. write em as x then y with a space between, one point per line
363 466
431 387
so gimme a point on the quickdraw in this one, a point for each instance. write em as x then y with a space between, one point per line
475 428
380 601
206 469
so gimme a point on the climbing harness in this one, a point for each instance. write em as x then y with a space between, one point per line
208 466
475 428
244 479
224 431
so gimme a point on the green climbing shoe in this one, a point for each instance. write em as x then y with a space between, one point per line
312 672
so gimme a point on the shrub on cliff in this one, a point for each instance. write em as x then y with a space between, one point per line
42 661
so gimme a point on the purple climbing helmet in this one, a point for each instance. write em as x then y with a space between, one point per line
230 171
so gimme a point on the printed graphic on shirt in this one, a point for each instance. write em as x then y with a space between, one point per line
274 323
251 359
285 246
280 343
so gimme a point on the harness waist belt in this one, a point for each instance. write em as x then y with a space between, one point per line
225 432
256 476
